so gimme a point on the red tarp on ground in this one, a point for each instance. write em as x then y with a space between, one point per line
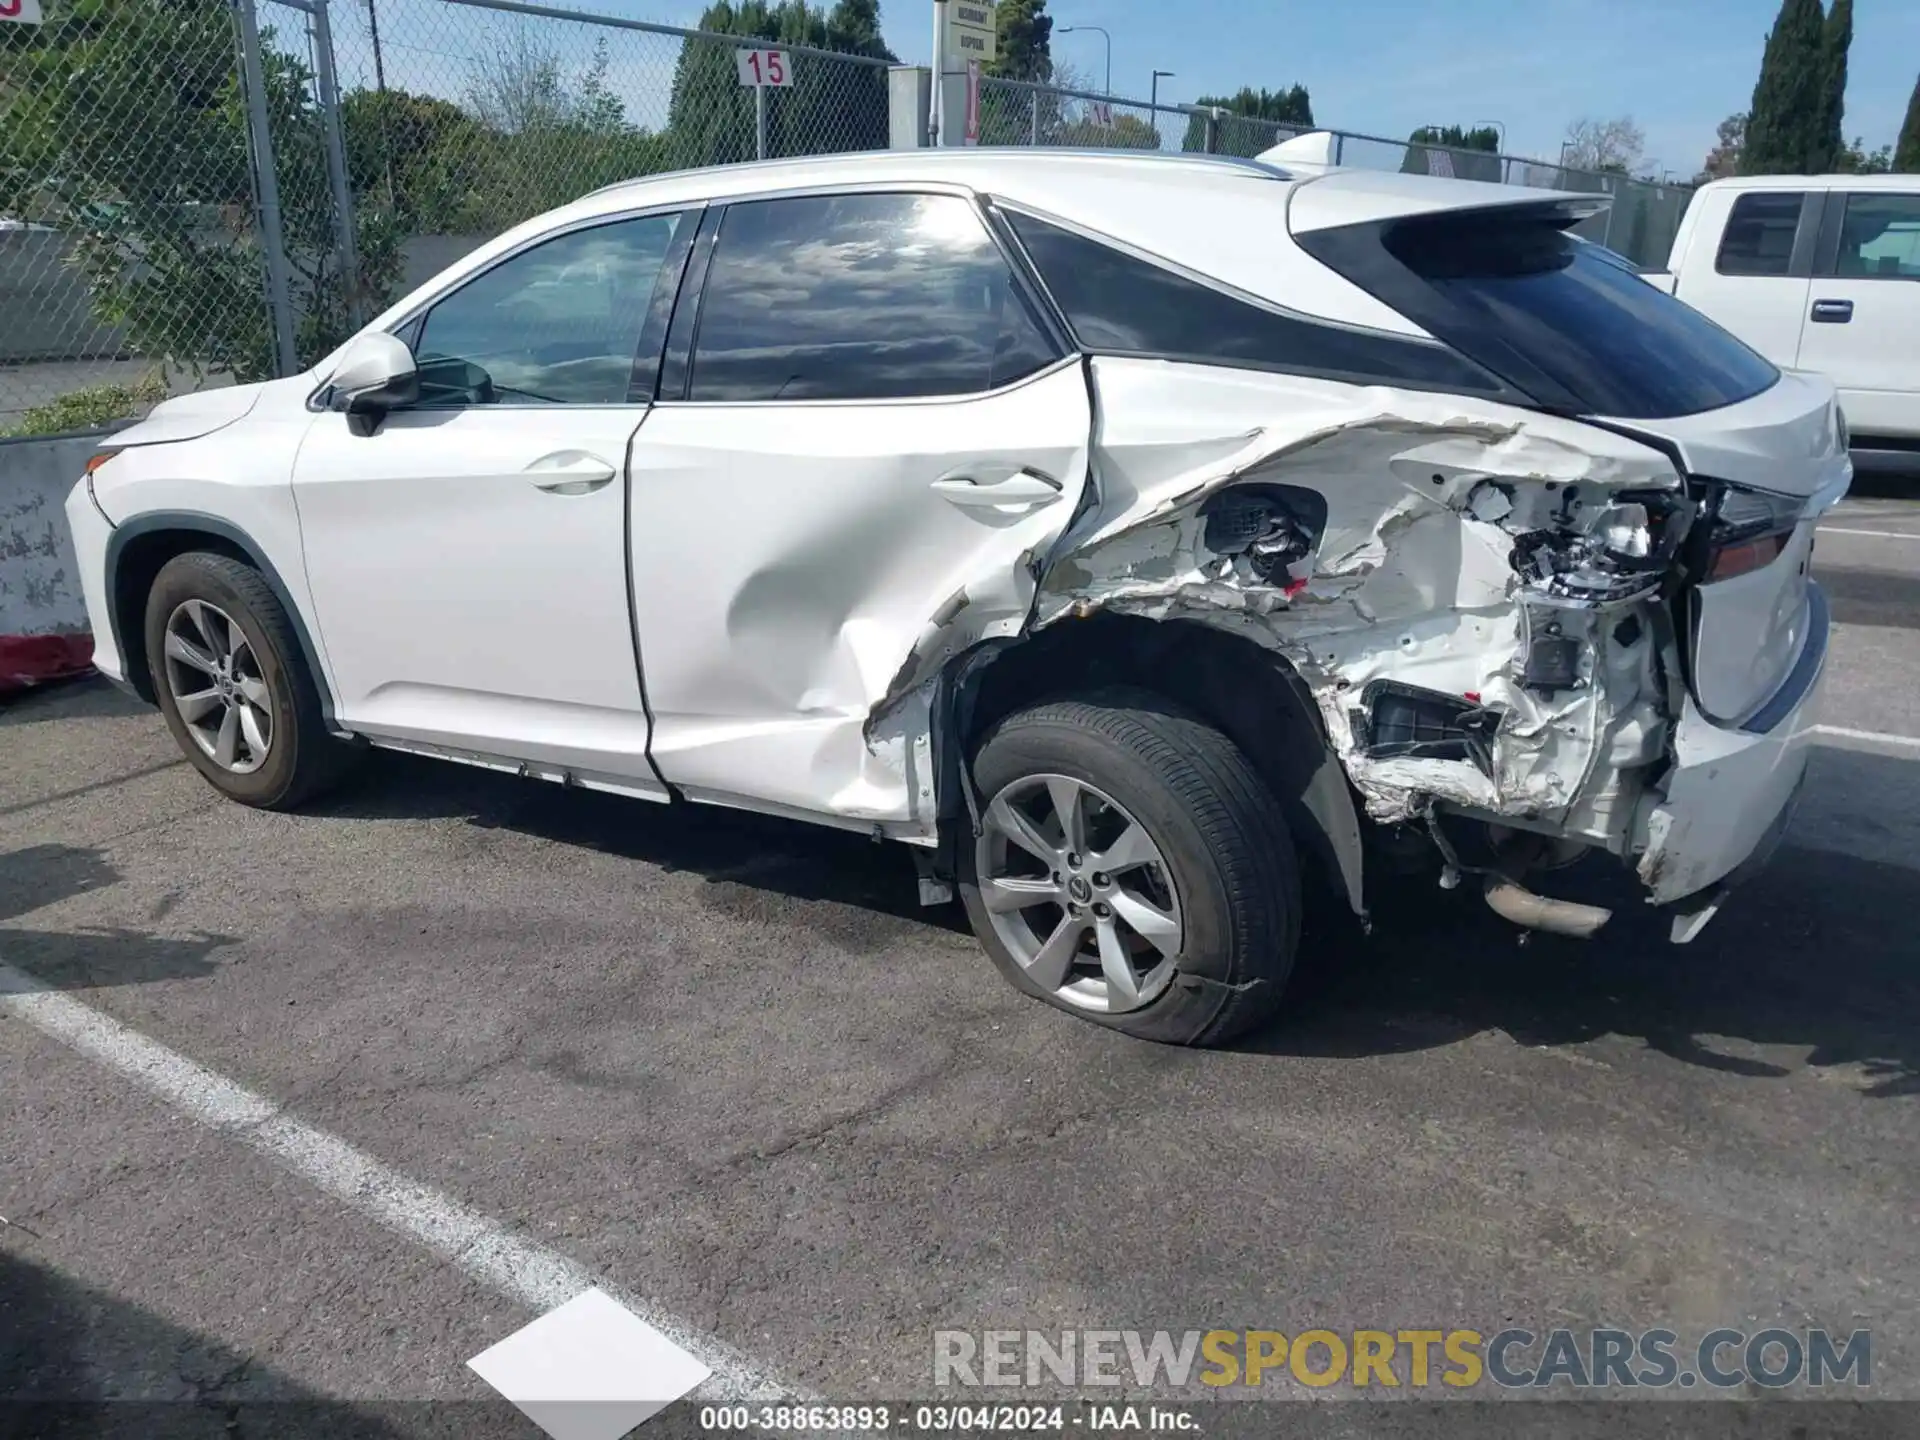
33 659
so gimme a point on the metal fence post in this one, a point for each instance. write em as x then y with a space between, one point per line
329 95
1033 116
279 295
760 122
1213 131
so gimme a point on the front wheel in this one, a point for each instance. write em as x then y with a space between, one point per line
1132 868
233 686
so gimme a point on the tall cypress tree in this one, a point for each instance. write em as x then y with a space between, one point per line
1025 49
1789 101
1906 153
1831 143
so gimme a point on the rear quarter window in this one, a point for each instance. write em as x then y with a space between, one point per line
1514 291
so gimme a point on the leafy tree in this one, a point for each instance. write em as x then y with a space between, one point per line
1612 146
1724 159
126 129
1906 150
1292 107
1856 159
1127 132
1790 99
425 159
538 137
830 106
1829 144
1024 49
1469 154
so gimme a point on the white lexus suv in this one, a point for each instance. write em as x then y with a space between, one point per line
1138 538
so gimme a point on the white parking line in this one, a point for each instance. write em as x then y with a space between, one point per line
1876 534
1878 737
480 1246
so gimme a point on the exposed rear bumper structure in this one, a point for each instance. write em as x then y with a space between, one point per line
1730 793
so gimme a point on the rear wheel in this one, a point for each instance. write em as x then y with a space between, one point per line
1132 868
233 686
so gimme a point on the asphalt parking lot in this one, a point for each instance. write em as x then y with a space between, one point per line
727 1067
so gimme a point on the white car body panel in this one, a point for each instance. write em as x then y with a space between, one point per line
752 604
237 474
467 606
188 417
1873 359
788 558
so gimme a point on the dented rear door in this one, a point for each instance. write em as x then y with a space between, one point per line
865 453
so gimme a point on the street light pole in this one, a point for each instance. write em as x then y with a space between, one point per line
1153 99
1101 30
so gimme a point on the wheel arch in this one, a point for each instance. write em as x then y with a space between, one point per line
1250 694
136 551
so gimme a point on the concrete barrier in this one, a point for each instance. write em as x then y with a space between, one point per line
43 616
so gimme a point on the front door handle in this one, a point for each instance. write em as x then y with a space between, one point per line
989 489
570 472
1832 312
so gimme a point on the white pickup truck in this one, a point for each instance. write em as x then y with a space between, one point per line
1818 272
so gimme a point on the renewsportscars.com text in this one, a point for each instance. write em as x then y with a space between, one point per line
1597 1359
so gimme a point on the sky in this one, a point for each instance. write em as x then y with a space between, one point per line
1378 67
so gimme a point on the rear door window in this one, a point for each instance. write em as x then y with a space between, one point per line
1759 236
1511 289
1880 238
860 297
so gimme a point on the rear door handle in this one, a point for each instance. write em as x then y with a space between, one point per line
1832 312
570 472
994 486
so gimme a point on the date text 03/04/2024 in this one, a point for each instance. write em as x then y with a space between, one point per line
937 1418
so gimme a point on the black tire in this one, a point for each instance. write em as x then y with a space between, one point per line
1225 843
302 759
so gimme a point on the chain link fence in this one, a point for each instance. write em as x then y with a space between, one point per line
203 192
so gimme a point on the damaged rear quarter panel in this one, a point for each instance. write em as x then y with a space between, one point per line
1411 580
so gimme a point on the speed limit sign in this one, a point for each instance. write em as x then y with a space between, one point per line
24 12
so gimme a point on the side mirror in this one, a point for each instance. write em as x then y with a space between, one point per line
375 376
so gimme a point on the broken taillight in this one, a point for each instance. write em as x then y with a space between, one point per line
1731 560
1750 529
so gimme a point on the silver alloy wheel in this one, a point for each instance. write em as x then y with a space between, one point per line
1078 893
217 687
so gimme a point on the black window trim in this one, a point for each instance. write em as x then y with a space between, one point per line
684 329
1826 261
1808 233
406 328
1499 391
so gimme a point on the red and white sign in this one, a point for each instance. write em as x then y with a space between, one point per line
755 67
24 12
973 102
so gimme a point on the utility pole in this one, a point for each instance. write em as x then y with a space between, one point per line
1101 30
1153 98
373 32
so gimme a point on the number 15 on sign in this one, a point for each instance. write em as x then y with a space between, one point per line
755 67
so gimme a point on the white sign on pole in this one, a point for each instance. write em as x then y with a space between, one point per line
755 67
24 12
970 30
1101 113
973 102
